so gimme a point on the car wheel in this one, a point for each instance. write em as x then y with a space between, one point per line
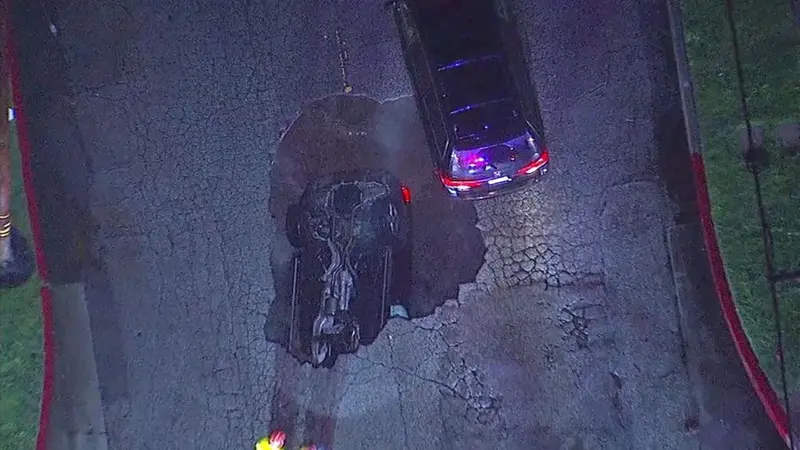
322 353
294 225
397 223
354 338
402 274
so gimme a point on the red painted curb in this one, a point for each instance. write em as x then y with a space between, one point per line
48 336
769 398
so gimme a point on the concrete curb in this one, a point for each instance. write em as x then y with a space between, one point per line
769 398
76 414
685 84
49 368
726 414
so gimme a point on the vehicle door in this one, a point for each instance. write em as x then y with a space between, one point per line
422 78
518 53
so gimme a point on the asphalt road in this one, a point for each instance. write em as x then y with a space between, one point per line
158 127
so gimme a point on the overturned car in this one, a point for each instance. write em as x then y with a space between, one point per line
351 234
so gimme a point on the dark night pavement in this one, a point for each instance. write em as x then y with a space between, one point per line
156 126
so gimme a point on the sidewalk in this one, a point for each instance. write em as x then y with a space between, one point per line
768 39
76 415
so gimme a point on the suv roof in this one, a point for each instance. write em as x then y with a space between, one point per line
451 33
464 45
473 83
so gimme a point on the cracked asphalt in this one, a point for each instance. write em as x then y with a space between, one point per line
157 126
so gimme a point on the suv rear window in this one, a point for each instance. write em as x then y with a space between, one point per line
491 123
473 83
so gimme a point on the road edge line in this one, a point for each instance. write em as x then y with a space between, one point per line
23 139
758 379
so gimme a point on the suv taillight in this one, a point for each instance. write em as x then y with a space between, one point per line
532 167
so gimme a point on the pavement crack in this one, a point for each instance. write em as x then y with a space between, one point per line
399 396
343 61
593 90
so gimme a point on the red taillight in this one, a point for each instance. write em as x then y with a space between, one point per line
544 158
406 194
459 184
